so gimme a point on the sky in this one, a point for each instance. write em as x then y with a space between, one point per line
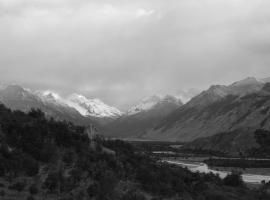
121 50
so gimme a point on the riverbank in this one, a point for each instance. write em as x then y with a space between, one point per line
203 168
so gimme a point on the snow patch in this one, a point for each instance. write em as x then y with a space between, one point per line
92 107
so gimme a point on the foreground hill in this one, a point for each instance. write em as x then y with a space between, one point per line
244 104
48 159
142 117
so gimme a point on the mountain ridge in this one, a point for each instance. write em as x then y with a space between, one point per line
142 116
51 103
220 108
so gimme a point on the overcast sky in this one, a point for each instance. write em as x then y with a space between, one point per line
123 50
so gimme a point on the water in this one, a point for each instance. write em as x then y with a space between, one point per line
203 168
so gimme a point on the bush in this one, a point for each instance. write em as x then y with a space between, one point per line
133 195
33 189
30 198
19 186
69 157
2 193
215 195
233 179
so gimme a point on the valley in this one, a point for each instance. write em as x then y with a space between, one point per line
160 148
253 170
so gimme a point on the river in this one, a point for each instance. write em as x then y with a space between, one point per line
203 168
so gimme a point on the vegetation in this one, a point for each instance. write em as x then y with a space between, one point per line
238 163
48 159
263 140
234 179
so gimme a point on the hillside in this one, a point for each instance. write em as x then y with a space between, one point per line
142 117
219 109
47 159
233 143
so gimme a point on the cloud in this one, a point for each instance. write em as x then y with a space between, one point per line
122 51
142 12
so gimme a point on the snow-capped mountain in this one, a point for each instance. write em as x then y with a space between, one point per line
18 98
48 96
150 102
142 116
92 107
76 108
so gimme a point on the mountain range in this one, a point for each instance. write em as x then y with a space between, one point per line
143 116
243 104
221 113
76 108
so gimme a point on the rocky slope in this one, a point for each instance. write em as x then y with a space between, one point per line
244 104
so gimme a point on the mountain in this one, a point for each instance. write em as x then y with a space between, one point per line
17 98
93 107
142 116
243 104
218 92
186 95
149 103
77 108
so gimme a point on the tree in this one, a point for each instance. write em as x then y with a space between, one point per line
233 179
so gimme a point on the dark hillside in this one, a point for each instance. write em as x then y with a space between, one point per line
48 159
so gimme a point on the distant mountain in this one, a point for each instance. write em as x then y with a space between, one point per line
76 108
217 92
186 95
17 98
93 107
149 103
142 116
243 104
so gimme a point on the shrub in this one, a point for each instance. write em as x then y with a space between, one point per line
19 186
33 189
30 198
68 157
233 179
133 195
2 193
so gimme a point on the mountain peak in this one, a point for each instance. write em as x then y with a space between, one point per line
17 92
246 81
51 94
93 107
186 95
14 88
220 90
150 102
